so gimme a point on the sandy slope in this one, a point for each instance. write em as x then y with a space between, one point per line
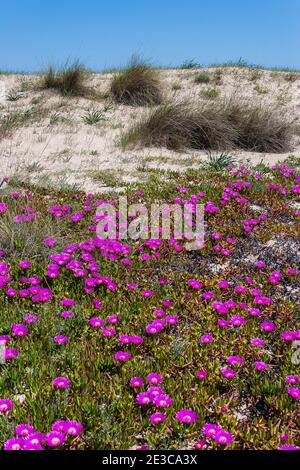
60 147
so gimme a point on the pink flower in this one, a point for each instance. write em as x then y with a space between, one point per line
122 356
294 392
223 437
186 416
228 373
154 379
208 338
5 405
202 374
136 382
157 418
61 382
260 365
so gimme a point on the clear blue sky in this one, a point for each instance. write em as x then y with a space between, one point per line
105 33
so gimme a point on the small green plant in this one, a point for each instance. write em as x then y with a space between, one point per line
137 84
202 78
13 96
93 117
210 93
218 162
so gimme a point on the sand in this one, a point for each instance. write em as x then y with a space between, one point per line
61 149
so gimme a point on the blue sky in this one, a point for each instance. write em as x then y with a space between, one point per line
106 33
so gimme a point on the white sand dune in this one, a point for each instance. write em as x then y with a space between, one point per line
60 147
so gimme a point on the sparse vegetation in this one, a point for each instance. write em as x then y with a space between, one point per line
14 119
138 84
226 125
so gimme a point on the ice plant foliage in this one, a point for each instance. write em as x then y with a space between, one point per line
143 344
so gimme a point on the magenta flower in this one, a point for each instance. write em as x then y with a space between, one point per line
97 322
15 443
5 405
223 437
201 444
18 329
257 342
10 353
260 365
208 338
155 392
67 302
292 379
143 398
210 429
122 356
73 428
25 264
294 392
235 360
157 418
186 416
61 382
55 439
136 382
268 326
108 331
154 379
58 426
288 447
147 293
163 401
202 374
49 242
61 339
24 430
228 373
67 314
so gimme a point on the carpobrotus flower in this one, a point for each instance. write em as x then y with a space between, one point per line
73 428
186 416
163 401
15 443
5 405
157 418
24 430
61 382
136 382
154 379
122 356
202 374
294 392
55 439
223 437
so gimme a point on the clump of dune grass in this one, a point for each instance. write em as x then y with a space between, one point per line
138 84
68 80
202 77
226 125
